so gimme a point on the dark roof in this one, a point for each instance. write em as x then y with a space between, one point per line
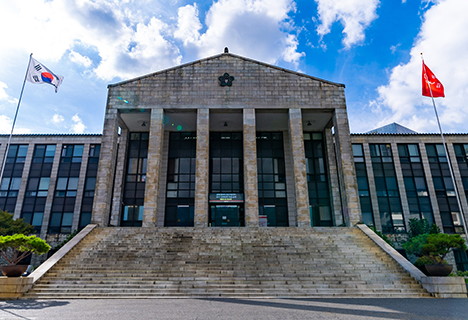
392 128
220 55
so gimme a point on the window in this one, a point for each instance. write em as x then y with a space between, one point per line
12 173
363 185
388 196
90 185
445 192
415 182
272 196
66 189
38 185
180 188
135 178
317 180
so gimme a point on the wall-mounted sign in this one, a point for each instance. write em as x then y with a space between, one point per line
227 197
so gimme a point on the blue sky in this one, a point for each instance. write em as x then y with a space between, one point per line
372 46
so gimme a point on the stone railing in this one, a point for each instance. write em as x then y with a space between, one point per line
14 288
439 287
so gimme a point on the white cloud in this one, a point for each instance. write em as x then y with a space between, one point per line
78 126
57 118
393 49
4 95
188 25
446 54
253 28
5 126
354 15
79 59
128 42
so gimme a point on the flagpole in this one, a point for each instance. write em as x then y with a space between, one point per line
447 154
14 121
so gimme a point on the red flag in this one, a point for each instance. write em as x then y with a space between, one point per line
428 78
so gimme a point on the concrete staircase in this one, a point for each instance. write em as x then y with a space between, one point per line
226 262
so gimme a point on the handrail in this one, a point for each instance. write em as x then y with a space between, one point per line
408 266
49 263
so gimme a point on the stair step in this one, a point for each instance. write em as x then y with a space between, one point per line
225 262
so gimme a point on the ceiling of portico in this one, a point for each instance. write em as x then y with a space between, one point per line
222 120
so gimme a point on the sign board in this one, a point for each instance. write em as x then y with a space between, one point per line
262 221
226 197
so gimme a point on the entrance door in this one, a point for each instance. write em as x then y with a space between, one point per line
270 213
277 215
225 215
184 216
179 216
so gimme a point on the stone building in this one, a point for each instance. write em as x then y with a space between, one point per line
227 141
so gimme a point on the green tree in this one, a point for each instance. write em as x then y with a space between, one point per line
10 226
421 226
437 246
17 247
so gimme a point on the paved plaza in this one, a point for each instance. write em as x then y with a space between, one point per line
352 309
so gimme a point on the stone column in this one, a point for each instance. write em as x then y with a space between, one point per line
333 178
345 163
105 174
202 168
153 168
163 181
401 185
51 190
372 189
119 181
430 186
24 181
296 137
81 186
289 179
250 169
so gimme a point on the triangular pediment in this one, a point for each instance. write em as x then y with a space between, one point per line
225 57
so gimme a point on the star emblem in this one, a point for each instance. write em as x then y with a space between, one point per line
226 80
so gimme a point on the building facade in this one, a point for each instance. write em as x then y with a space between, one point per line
232 142
226 141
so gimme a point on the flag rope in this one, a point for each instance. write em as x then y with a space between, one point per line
14 121
462 214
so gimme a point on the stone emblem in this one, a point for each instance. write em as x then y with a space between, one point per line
226 80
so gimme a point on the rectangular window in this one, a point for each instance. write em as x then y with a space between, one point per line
386 185
66 188
272 177
135 178
363 185
12 173
317 180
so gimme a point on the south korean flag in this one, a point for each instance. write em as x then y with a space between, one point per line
39 74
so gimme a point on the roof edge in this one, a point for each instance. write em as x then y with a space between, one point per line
53 135
220 55
408 134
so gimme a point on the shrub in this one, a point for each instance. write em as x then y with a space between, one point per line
17 247
10 226
68 238
384 237
414 245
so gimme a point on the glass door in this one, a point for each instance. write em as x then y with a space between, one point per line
185 216
225 215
